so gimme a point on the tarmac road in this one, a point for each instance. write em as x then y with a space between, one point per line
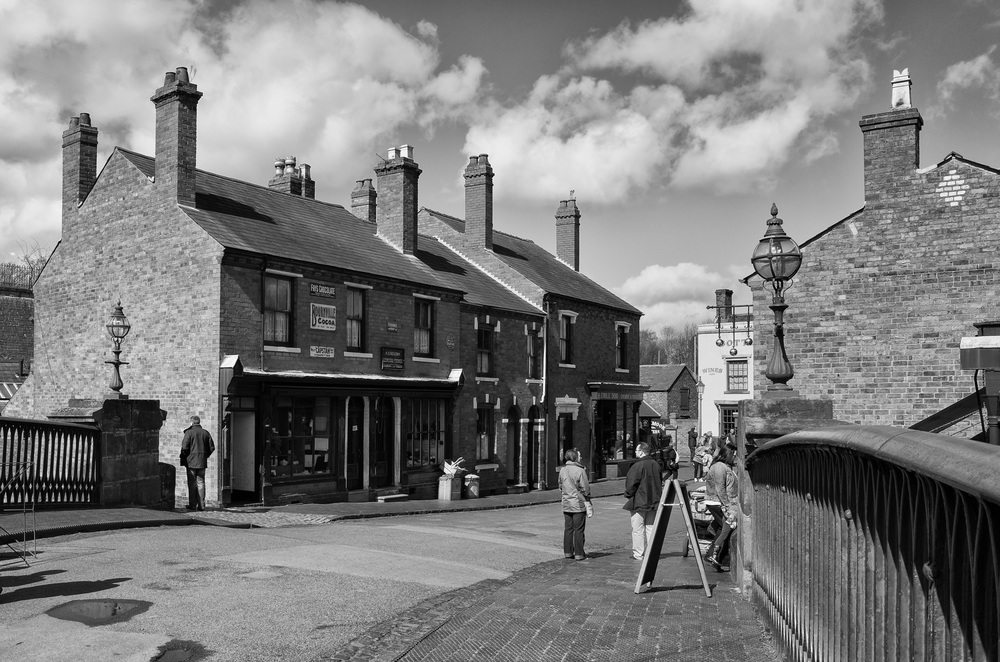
280 594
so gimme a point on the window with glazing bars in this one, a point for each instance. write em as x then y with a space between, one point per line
277 310
355 323
423 327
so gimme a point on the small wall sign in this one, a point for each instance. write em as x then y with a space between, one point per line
323 317
317 290
392 327
450 341
316 351
393 358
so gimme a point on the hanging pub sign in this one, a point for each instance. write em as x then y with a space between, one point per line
393 358
323 317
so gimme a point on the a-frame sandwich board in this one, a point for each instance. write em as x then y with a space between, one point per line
674 494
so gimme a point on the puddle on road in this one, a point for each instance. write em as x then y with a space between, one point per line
99 612
180 651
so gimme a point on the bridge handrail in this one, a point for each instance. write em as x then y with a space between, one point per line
971 466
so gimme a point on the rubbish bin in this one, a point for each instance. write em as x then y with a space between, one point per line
471 486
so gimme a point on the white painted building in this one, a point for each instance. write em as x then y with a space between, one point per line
725 363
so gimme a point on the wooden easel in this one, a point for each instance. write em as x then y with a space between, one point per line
674 494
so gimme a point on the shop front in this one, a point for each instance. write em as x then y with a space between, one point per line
320 437
616 426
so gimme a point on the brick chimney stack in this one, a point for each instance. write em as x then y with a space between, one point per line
479 202
292 179
177 136
79 164
891 142
724 305
397 201
364 198
568 232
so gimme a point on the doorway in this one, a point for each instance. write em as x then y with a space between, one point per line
244 455
514 468
382 468
355 442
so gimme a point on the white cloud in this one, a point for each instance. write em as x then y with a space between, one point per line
744 86
980 73
674 295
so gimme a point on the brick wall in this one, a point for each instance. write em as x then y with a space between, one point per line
17 326
131 243
884 297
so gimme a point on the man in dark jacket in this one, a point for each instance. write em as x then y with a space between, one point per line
643 487
196 448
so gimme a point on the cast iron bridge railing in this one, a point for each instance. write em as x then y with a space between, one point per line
875 543
48 464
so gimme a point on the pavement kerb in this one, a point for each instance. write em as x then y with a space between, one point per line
52 523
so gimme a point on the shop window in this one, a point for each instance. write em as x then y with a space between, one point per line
727 420
534 355
423 327
299 437
485 433
355 322
564 426
484 355
566 338
277 310
424 425
737 376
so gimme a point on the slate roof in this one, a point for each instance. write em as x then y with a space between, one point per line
256 219
661 377
544 269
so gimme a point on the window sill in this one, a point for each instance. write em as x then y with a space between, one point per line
286 350
425 359
487 467
490 380
534 381
624 370
737 392
358 355
567 365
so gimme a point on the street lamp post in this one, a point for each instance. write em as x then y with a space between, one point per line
777 259
700 386
118 327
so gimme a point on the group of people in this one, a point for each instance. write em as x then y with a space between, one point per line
643 489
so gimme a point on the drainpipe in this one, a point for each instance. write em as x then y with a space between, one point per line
543 454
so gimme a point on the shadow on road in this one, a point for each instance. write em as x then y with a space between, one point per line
57 589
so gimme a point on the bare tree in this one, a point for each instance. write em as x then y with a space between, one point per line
25 271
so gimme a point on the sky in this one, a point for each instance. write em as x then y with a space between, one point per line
675 123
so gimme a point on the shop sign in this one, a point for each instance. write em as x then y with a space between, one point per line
615 395
392 327
323 317
318 290
393 358
321 352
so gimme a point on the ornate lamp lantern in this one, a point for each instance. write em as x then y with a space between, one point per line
777 259
118 327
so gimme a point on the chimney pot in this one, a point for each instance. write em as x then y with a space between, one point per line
393 153
290 165
169 78
182 75
473 161
406 151
279 166
304 170
85 119
74 121
484 160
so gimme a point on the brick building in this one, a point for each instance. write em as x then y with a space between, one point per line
333 354
885 294
17 328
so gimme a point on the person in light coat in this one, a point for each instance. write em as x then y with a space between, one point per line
576 505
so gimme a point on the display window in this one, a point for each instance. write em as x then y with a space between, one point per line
301 437
424 423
